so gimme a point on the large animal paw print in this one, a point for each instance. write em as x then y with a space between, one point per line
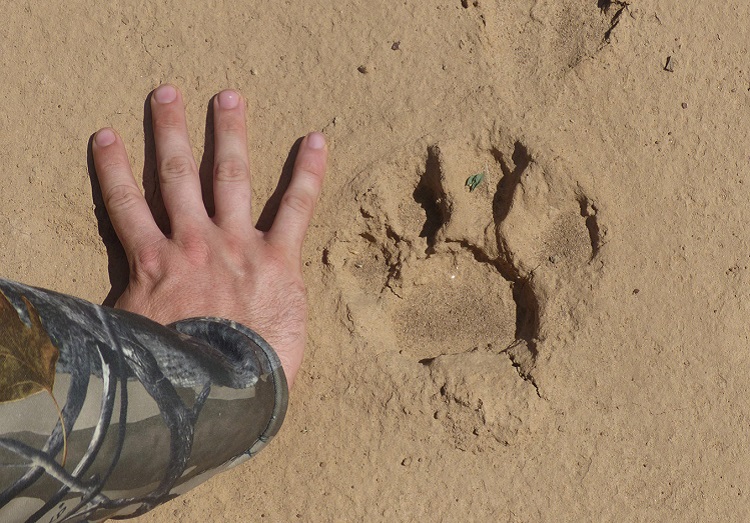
466 278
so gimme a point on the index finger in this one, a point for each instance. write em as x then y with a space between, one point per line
298 203
126 206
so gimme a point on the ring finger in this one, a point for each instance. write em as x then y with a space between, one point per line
178 173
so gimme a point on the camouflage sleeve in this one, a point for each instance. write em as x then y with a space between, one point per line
146 412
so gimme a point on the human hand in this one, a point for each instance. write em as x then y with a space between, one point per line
221 265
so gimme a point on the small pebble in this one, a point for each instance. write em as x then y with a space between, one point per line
363 69
684 105
396 46
406 462
669 67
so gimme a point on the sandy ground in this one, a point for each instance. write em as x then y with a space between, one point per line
568 342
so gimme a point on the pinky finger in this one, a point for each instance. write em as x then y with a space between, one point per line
298 203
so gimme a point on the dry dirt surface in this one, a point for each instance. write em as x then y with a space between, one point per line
566 342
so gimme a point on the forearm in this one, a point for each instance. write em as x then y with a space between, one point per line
149 411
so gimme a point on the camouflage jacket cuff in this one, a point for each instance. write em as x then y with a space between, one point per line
146 412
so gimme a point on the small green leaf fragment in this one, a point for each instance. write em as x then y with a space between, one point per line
472 182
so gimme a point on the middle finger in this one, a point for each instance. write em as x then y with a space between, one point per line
178 173
231 177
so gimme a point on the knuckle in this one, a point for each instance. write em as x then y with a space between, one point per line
168 120
310 170
176 168
230 126
147 261
195 248
112 164
233 170
122 197
298 202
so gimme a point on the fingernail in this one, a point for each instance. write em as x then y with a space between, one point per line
316 140
228 99
165 94
105 137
